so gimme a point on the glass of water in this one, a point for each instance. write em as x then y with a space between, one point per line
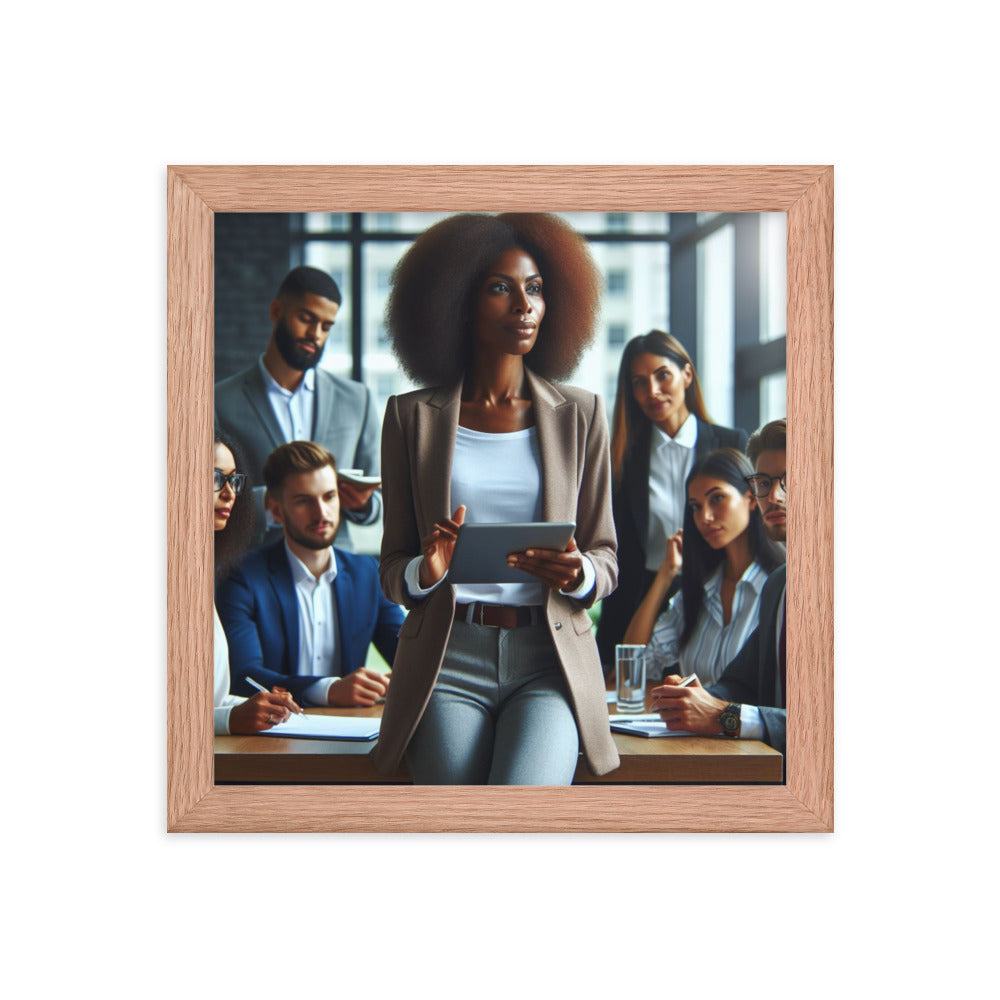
630 674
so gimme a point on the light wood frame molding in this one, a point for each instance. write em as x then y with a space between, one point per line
196 193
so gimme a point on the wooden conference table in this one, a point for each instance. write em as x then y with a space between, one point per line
674 759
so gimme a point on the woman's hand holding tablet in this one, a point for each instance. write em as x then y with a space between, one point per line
557 570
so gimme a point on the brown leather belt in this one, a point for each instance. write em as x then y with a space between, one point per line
498 615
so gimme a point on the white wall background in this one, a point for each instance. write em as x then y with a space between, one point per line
98 99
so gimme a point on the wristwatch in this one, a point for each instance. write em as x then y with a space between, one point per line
730 720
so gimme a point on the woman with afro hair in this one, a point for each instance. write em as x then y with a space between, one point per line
495 683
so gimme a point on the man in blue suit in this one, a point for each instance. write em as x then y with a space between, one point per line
300 614
748 701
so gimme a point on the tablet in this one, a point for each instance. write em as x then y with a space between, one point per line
481 550
358 477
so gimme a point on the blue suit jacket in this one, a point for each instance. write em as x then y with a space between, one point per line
259 612
751 678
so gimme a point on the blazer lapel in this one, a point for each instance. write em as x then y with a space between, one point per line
637 488
284 589
256 395
706 441
555 418
343 598
436 427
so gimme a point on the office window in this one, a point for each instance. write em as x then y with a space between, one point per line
773 292
634 251
773 398
381 222
335 259
324 222
715 318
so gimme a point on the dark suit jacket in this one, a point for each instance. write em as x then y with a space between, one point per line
260 615
751 678
344 422
418 447
631 510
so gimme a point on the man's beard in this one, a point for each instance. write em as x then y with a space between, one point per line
310 541
290 352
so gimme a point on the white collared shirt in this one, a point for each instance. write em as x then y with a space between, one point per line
319 653
670 461
294 411
712 645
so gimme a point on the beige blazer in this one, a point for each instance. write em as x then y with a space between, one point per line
418 446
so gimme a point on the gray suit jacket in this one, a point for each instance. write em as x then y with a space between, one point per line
344 422
418 446
751 678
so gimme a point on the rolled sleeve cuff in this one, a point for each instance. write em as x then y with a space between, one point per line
411 576
589 578
222 720
751 723
317 693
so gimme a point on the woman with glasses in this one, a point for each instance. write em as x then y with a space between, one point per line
660 428
233 518
726 555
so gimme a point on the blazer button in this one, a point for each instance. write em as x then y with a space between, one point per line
558 625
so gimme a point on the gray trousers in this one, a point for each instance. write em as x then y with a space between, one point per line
499 713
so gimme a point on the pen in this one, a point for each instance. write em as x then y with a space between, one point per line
260 687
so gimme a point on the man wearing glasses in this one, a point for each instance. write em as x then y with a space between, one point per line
749 699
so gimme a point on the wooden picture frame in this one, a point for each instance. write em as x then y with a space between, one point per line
804 802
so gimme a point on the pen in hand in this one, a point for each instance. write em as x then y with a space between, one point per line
260 687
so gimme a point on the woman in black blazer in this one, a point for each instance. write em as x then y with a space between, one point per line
659 402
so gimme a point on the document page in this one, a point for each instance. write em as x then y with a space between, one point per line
326 727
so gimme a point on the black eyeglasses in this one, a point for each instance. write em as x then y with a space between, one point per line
761 486
235 480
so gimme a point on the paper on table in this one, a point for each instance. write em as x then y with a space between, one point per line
326 727
644 725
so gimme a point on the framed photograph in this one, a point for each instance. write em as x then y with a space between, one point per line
804 802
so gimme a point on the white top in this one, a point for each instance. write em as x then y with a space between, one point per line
499 479
293 410
222 699
319 648
712 645
670 462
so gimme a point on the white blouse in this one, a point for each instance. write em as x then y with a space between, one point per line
670 461
223 700
712 644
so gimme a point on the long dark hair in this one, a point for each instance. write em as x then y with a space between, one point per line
700 559
630 427
234 539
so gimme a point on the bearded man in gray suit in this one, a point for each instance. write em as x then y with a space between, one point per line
286 397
